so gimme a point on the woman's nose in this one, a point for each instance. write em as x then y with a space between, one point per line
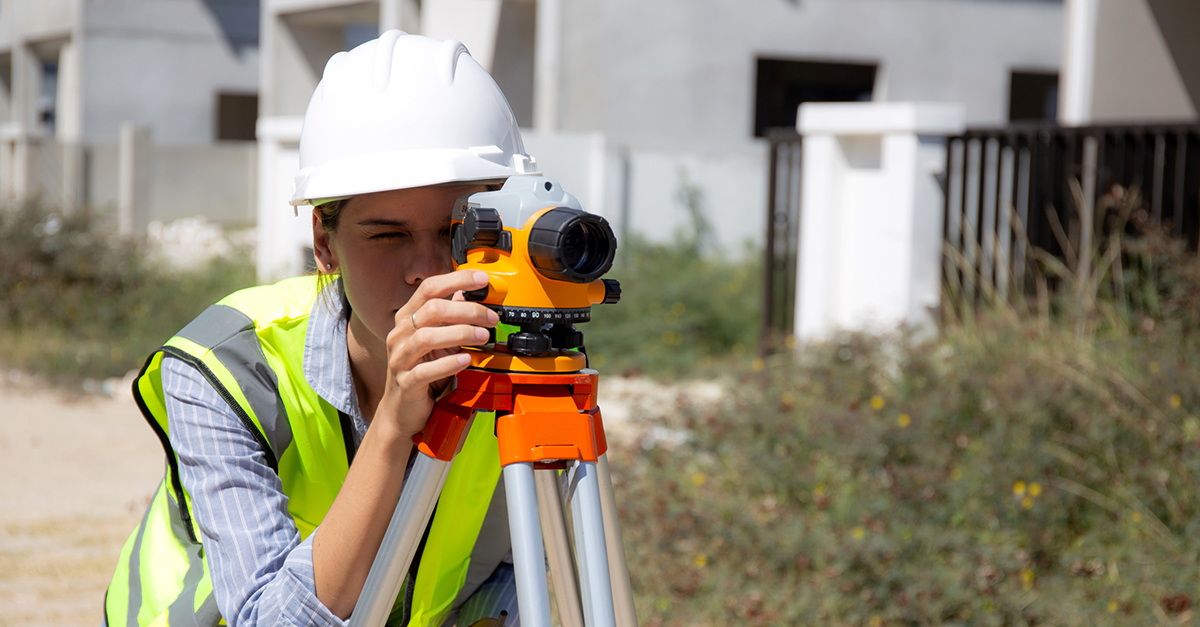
432 259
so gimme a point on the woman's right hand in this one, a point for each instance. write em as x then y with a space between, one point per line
424 347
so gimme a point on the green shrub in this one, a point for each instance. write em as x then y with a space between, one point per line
1005 477
1026 467
76 303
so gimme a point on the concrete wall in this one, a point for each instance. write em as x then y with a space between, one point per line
37 19
161 63
1131 60
681 73
218 182
672 82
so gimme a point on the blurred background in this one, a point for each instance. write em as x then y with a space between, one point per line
911 286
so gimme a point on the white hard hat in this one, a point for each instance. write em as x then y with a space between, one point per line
405 111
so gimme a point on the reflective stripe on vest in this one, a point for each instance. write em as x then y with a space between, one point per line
250 348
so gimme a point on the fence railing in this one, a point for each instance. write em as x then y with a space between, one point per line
1025 186
783 237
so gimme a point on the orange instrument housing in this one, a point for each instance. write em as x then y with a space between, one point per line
540 416
513 279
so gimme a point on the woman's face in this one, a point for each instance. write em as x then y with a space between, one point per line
385 244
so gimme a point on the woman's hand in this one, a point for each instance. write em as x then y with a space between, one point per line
424 347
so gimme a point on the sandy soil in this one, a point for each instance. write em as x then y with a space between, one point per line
75 476
77 473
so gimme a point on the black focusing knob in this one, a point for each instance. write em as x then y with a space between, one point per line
612 291
481 228
565 336
529 343
478 295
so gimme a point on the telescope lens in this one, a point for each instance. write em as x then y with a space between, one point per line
571 245
580 247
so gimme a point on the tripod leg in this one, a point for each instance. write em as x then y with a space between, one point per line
586 514
529 559
395 555
562 568
618 569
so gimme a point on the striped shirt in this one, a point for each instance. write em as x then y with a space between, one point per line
262 572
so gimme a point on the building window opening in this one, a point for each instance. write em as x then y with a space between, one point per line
1033 97
48 98
237 115
781 85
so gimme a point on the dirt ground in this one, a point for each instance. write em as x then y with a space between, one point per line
77 473
75 476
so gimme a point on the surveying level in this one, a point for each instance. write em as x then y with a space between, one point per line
544 276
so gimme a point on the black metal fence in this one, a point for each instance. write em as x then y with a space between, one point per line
783 237
1011 189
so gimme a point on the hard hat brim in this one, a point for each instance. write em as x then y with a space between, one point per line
402 169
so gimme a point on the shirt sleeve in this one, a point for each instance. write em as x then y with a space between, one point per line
262 573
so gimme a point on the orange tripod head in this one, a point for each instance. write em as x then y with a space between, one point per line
544 256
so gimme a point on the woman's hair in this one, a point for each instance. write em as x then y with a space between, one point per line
329 213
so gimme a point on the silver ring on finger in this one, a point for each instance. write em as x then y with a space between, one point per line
413 318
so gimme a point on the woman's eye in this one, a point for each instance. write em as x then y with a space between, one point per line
388 236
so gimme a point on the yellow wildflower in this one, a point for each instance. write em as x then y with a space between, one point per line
701 560
1019 488
1027 502
698 478
903 420
858 533
877 402
1026 579
1113 607
1035 489
1174 401
759 364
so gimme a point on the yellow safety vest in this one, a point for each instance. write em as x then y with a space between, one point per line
250 347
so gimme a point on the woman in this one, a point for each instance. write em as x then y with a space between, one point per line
288 411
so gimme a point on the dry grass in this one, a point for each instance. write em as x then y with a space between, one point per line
54 573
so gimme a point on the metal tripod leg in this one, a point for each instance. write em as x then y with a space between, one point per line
587 518
558 550
395 555
529 560
622 592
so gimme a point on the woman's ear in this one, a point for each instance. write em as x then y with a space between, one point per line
323 251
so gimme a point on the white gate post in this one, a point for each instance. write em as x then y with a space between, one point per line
871 215
282 234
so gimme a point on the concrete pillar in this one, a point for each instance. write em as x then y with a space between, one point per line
1079 60
871 215
473 22
21 134
133 169
547 66
402 15
69 124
